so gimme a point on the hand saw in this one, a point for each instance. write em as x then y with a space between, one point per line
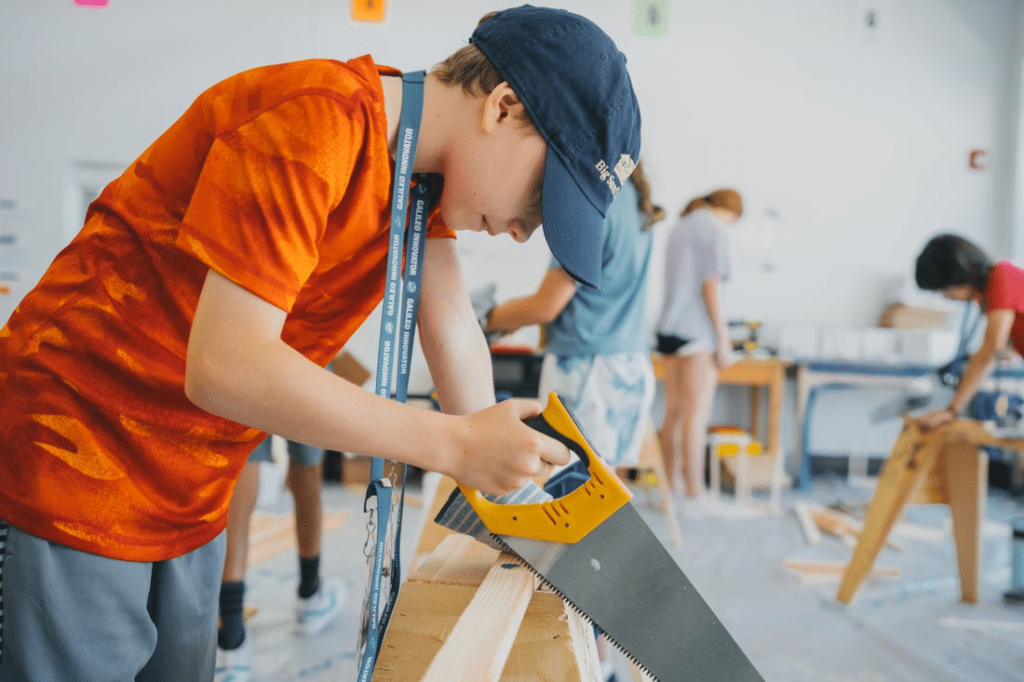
595 550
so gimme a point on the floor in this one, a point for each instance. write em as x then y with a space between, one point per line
905 629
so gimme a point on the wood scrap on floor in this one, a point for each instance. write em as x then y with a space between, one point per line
814 518
983 625
826 571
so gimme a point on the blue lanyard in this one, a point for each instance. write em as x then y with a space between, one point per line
398 319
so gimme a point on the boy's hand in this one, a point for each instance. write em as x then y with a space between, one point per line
497 452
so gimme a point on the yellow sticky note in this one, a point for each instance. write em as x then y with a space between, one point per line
369 10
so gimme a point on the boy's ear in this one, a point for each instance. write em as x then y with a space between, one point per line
501 106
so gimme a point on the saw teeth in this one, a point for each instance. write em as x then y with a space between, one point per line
577 609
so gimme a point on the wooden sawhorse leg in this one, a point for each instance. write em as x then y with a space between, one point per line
911 460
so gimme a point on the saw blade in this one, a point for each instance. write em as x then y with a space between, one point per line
623 579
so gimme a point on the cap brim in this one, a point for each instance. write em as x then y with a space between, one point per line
572 225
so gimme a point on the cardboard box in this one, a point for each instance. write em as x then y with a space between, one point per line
902 316
355 469
348 368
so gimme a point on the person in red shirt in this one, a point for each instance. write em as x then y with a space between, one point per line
217 276
962 271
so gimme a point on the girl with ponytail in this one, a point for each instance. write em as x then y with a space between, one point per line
692 335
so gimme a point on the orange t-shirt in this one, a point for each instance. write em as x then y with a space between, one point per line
279 178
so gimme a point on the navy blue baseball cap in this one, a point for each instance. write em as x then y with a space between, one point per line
572 79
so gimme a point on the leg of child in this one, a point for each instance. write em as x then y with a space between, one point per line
698 377
232 591
319 601
304 482
671 423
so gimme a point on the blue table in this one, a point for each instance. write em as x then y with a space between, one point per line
816 376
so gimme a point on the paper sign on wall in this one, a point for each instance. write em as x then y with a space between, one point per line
371 11
651 17
97 4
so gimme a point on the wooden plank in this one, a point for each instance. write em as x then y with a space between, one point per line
541 647
424 615
458 560
549 642
480 642
834 568
803 514
982 625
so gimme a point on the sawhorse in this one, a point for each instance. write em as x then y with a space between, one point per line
942 466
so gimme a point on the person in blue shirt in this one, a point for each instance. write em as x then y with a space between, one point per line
597 355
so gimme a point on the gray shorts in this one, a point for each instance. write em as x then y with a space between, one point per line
70 615
300 453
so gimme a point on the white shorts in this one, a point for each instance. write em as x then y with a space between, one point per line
610 395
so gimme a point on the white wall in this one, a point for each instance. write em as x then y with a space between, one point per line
859 143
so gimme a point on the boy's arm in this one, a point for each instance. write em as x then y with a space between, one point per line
238 367
541 307
450 335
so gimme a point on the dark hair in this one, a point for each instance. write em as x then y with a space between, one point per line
728 199
651 212
949 260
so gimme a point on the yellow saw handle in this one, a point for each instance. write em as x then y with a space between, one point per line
567 519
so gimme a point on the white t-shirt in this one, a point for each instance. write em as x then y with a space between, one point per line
696 251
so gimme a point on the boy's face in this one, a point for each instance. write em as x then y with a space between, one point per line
493 175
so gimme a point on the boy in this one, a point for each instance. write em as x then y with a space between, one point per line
217 276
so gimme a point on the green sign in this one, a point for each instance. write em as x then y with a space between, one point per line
652 17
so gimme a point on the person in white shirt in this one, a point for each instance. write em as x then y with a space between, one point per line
692 334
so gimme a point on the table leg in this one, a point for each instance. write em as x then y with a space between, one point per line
966 472
775 390
803 390
755 411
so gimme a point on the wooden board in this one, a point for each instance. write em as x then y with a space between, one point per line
498 623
